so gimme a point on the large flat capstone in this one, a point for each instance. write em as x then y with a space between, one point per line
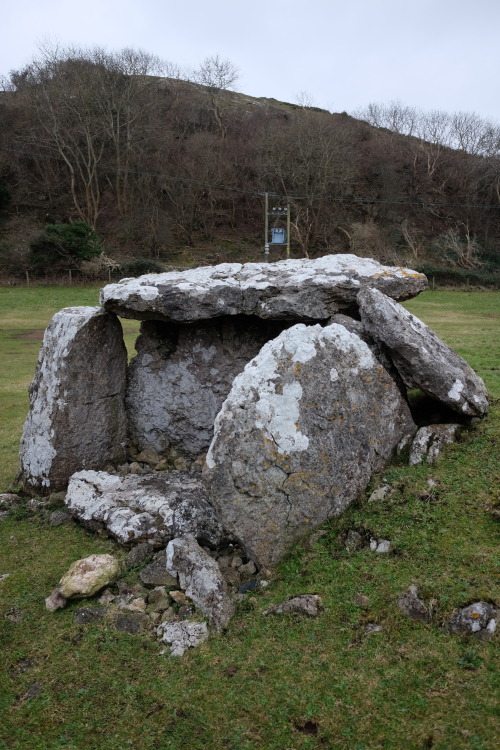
305 290
305 425
421 358
77 414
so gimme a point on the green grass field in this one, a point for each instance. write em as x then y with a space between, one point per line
277 684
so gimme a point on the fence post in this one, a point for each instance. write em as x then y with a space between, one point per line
27 278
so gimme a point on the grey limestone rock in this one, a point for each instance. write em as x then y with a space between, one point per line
381 546
135 508
132 622
139 555
353 541
55 601
305 425
9 500
156 573
88 615
413 607
429 442
380 493
182 635
304 604
200 577
287 290
77 413
181 376
59 517
473 619
421 358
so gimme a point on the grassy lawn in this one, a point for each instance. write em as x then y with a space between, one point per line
282 683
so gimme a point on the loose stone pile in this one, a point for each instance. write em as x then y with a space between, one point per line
291 378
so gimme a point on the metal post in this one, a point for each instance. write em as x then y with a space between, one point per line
266 229
287 230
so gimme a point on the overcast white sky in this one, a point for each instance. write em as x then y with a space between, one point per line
433 54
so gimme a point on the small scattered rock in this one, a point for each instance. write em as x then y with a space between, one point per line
353 540
380 494
430 440
248 586
87 615
55 601
201 578
14 615
58 517
373 627
132 622
476 619
179 597
182 464
182 635
137 605
156 573
185 611
361 600
141 554
4 576
87 576
158 600
304 604
57 498
414 607
106 597
8 500
149 456
247 570
380 545
224 562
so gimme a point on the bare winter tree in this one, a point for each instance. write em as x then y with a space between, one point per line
90 110
218 76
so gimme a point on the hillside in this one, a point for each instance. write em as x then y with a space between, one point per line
174 171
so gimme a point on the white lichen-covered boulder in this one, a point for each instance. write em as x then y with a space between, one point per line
182 635
77 414
152 507
421 358
200 577
305 425
287 290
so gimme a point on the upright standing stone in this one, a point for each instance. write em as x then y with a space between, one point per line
77 415
305 425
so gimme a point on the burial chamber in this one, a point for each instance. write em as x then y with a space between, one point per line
292 376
